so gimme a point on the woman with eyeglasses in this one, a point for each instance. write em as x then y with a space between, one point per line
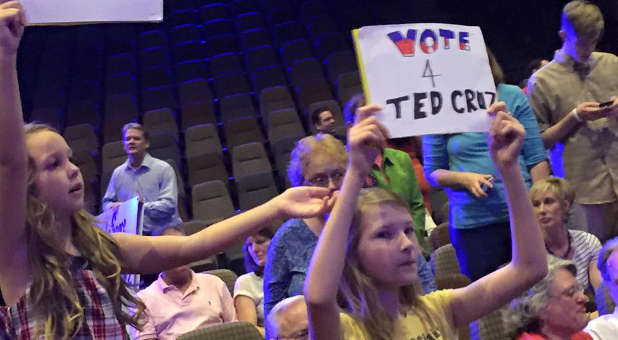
318 161
248 289
554 308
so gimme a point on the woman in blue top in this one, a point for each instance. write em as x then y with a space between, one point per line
460 163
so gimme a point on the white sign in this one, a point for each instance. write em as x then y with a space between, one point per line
127 218
91 11
429 78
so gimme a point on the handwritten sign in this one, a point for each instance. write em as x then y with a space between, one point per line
430 78
127 218
40 12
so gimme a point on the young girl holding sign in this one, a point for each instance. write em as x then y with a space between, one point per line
368 249
60 275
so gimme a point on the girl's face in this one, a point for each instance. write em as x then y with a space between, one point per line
58 181
257 246
387 248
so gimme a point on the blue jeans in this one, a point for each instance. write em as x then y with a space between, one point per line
482 250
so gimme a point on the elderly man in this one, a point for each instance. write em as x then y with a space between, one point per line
288 319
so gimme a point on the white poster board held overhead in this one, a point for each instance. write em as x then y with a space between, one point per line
429 78
45 12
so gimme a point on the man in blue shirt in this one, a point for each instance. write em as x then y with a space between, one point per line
153 180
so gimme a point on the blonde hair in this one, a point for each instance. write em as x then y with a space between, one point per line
52 291
360 291
307 148
585 18
560 187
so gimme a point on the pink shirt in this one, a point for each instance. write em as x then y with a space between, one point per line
172 313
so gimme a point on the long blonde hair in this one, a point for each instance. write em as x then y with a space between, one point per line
52 291
360 291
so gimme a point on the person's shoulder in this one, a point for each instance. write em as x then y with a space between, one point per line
581 236
352 327
605 57
439 297
290 227
150 292
394 153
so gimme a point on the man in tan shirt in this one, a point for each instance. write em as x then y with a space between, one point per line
574 99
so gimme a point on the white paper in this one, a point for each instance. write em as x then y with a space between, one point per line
391 72
127 218
91 11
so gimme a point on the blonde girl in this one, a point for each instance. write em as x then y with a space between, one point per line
60 276
368 249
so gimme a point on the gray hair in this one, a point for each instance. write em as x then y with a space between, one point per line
523 314
604 253
303 152
272 320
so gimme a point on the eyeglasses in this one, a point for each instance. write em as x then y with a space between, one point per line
300 335
323 180
572 292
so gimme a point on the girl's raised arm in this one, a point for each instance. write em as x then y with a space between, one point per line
13 158
155 254
328 259
528 264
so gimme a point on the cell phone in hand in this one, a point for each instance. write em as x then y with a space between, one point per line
605 104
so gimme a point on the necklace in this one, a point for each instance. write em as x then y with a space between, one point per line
567 251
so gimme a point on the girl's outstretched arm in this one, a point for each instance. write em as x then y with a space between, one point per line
13 158
329 257
155 254
528 264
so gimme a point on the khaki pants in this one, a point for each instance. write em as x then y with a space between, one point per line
602 220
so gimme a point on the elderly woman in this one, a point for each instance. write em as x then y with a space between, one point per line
551 200
553 309
319 160
248 289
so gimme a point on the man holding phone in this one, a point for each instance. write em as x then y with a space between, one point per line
574 99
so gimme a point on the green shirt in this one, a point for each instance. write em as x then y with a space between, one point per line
397 168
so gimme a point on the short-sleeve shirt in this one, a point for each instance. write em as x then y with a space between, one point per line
252 286
591 150
171 313
605 327
469 152
287 260
586 249
409 326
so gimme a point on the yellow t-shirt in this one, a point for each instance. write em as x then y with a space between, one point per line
409 327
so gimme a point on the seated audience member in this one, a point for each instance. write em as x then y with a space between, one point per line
248 290
605 327
553 309
288 319
180 301
324 122
551 200
318 161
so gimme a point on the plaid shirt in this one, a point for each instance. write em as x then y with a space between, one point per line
100 322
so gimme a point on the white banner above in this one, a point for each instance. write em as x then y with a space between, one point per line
429 78
49 12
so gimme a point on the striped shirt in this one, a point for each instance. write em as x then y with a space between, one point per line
586 249
17 322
